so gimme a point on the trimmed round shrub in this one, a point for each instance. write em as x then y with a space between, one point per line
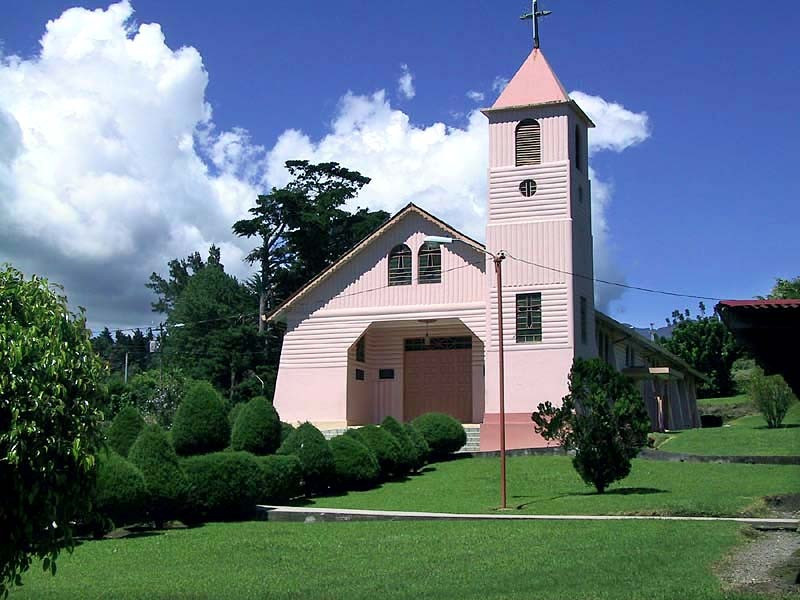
286 431
316 459
164 479
282 478
443 433
356 465
223 486
422 448
384 446
124 430
200 425
233 413
257 428
408 451
120 496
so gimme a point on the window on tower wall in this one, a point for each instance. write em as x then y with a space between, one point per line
528 143
430 263
578 149
529 317
400 265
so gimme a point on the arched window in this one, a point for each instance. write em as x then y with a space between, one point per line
430 263
400 265
528 143
578 149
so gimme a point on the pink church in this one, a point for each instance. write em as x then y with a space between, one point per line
401 326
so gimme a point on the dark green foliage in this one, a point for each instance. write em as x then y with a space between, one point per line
201 424
443 433
257 428
316 459
223 486
785 289
707 345
603 419
120 494
286 431
385 447
233 413
163 477
211 345
409 456
50 380
356 465
422 448
282 478
124 430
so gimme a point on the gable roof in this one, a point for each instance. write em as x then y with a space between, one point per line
410 208
534 83
650 345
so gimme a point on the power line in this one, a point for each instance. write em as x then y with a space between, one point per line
616 283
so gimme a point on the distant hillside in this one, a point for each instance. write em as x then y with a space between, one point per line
664 332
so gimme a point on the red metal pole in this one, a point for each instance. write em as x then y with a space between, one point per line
498 262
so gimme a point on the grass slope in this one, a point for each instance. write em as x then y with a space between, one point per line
549 485
742 436
569 561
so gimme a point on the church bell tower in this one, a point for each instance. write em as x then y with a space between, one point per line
539 215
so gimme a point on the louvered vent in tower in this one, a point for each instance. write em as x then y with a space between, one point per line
528 143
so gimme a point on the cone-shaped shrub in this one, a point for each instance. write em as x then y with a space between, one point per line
408 451
120 494
356 465
257 428
200 425
286 431
223 486
443 433
423 451
164 479
282 477
233 413
124 430
316 459
385 447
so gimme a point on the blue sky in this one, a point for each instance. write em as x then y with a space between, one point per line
707 204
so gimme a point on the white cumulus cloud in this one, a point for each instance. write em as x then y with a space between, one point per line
109 163
476 96
405 85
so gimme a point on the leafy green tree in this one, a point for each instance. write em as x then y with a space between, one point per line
785 289
257 428
210 329
707 345
157 394
49 423
302 228
180 272
603 419
771 396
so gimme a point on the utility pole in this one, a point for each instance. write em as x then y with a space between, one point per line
498 268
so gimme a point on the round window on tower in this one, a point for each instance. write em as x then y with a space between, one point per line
527 188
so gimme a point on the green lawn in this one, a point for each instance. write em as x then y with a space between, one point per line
730 407
458 560
727 400
742 436
549 485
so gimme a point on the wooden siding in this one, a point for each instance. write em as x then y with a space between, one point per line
502 129
551 200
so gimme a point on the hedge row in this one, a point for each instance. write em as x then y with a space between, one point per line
155 484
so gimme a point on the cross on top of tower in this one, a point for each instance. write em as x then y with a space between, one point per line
534 16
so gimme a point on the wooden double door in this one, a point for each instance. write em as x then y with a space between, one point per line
438 378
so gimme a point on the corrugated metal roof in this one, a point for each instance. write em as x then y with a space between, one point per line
761 304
